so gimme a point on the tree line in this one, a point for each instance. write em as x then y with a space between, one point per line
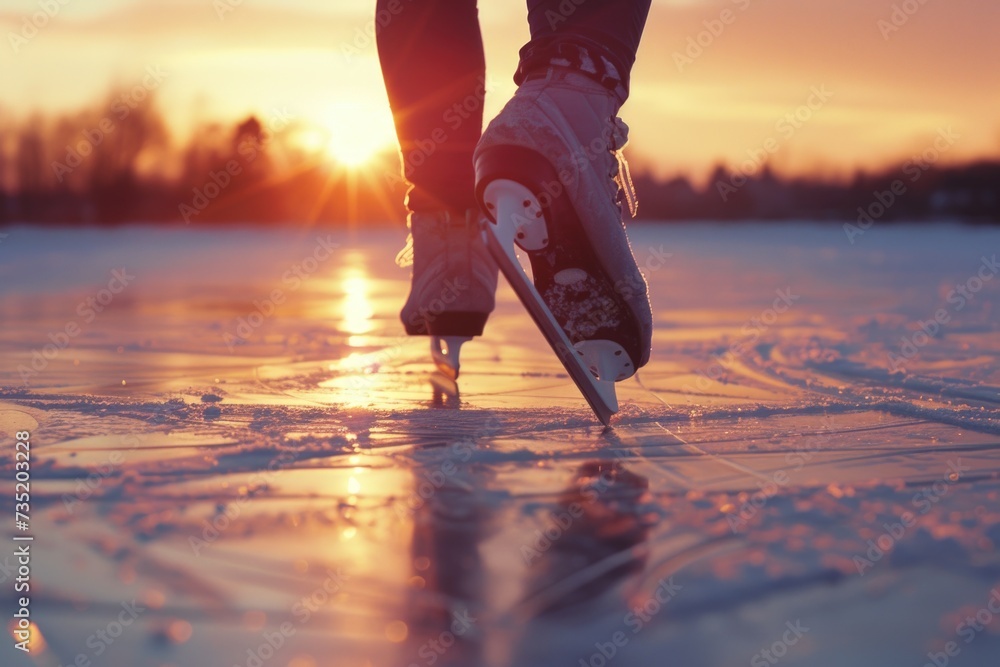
117 163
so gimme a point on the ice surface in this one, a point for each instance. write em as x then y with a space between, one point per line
759 460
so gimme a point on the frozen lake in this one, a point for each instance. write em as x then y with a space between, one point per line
238 458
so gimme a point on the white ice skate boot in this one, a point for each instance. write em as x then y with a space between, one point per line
453 283
551 177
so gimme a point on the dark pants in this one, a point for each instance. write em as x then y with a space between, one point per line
431 52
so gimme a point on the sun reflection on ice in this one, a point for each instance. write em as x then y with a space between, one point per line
353 486
356 309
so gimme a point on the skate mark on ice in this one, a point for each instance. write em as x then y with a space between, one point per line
698 450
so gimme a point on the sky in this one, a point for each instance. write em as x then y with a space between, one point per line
819 87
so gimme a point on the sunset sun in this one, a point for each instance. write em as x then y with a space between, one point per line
350 134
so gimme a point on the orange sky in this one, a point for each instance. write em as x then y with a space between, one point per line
889 96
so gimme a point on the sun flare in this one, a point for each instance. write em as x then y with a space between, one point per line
349 134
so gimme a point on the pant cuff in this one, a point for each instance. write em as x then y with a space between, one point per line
580 54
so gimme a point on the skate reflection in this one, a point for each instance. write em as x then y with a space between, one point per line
444 391
594 540
445 601
597 540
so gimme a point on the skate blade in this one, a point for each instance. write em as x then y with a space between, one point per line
444 390
593 365
445 351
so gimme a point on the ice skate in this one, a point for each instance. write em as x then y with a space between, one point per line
551 179
453 283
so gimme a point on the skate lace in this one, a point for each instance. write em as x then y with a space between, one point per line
404 258
623 177
444 221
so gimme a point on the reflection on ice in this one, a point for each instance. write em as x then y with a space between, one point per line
389 519
355 307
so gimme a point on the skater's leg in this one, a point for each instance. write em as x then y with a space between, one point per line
550 172
598 37
432 61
